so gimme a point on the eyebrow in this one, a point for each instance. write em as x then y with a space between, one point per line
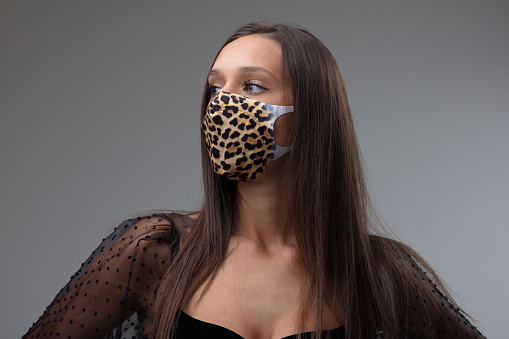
244 70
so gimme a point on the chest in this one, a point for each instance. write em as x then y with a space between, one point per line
256 296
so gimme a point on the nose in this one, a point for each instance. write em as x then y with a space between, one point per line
228 87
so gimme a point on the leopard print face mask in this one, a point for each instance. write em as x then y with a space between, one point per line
239 133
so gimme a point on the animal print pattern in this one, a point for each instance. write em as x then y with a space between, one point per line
239 133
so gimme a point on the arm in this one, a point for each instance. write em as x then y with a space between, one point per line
451 322
117 280
424 308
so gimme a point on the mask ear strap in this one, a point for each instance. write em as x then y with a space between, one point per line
280 110
280 151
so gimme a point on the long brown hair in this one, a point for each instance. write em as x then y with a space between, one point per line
367 280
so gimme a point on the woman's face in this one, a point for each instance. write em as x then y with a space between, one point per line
251 66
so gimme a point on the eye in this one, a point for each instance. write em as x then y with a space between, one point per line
253 87
214 90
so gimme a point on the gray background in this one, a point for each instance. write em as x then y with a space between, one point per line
99 106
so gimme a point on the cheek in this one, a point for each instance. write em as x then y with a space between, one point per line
283 130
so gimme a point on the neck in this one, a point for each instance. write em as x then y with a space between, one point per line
261 214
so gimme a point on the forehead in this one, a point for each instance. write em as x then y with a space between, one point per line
250 51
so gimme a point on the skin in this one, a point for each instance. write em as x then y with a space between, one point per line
257 292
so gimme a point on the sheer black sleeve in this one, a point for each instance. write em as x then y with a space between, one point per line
112 294
422 305
450 323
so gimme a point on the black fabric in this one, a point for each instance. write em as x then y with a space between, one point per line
190 328
113 293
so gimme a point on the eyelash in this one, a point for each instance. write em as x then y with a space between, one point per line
253 83
213 88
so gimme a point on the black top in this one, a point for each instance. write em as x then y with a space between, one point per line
113 293
189 327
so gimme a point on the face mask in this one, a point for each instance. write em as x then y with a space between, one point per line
239 132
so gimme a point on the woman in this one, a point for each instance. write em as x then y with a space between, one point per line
284 244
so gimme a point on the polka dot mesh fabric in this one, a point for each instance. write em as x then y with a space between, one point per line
113 293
